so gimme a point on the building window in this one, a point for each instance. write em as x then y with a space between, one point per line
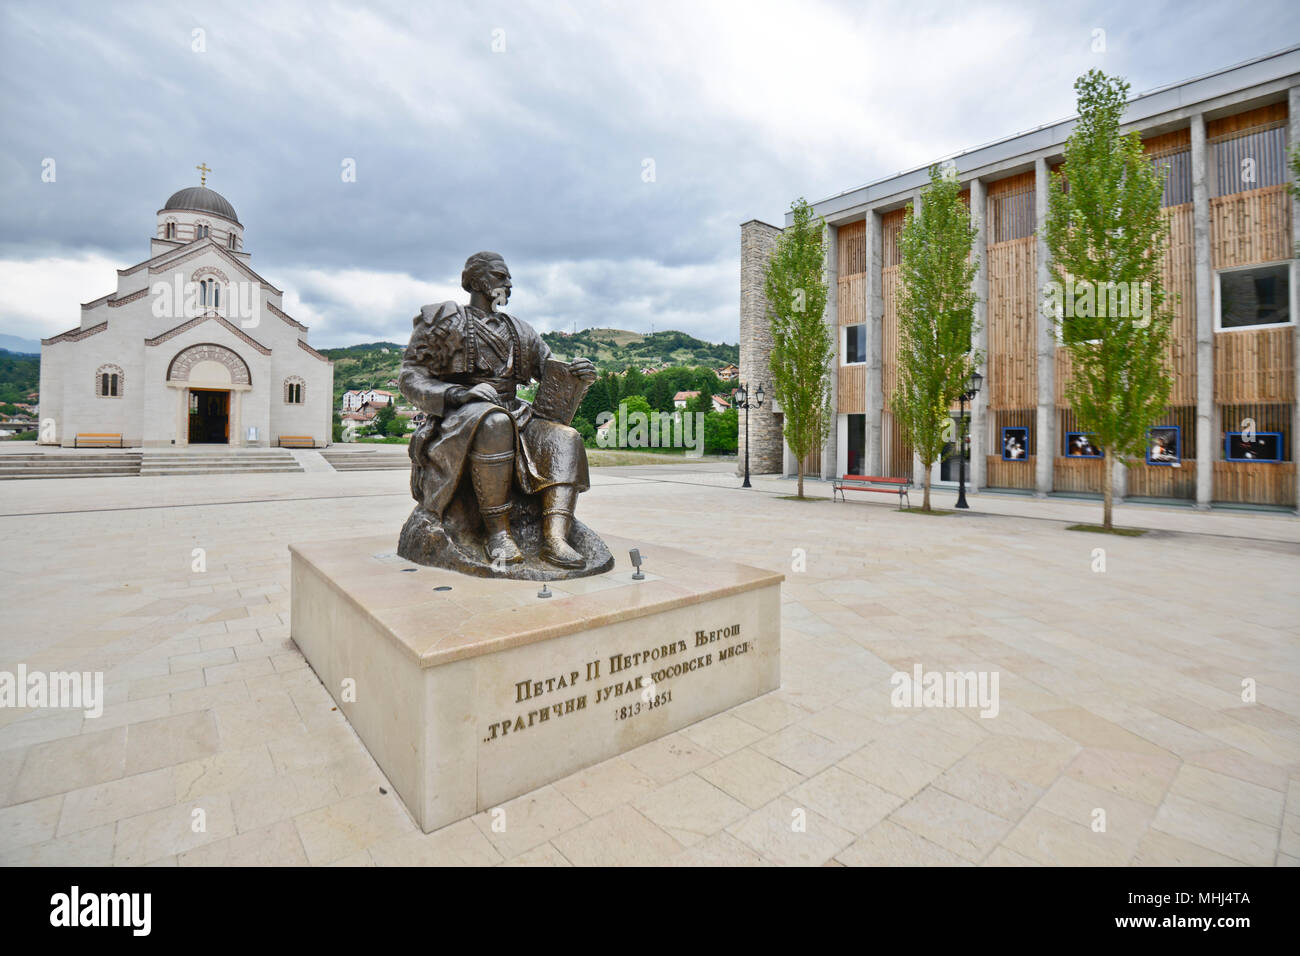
855 344
170 231
1256 296
231 240
1011 215
857 441
210 293
293 391
108 381
202 231
1175 166
1251 159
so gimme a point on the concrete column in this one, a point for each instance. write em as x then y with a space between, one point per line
1293 112
1045 440
874 448
980 339
918 469
757 240
1206 440
831 242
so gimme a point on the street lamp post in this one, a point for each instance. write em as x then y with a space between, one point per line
742 401
972 389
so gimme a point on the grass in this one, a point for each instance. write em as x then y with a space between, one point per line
1098 529
922 511
607 457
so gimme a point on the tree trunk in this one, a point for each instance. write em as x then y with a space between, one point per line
925 501
1108 491
799 470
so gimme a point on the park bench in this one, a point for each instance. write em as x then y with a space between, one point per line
888 486
297 441
97 439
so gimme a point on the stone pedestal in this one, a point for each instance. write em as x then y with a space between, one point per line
470 691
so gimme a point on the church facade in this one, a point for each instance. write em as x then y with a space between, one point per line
192 348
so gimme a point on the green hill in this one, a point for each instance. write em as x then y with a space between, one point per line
615 350
374 364
20 375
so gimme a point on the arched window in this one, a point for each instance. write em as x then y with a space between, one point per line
232 240
210 293
202 230
169 231
108 381
294 389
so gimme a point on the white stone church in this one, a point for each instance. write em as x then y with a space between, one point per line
191 348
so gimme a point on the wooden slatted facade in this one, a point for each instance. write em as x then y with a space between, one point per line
1254 368
1254 374
851 380
1011 372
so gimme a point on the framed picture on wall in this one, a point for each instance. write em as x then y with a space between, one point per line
1081 445
1015 444
1264 446
1165 446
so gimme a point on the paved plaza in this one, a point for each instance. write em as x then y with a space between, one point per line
1121 735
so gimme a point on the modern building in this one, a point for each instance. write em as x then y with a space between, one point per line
192 347
1228 434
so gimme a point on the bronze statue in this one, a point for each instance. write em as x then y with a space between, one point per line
496 478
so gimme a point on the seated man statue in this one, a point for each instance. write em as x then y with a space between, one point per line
483 446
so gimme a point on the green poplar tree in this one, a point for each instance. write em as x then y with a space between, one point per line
802 345
1107 239
936 306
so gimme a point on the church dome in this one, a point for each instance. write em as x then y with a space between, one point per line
202 199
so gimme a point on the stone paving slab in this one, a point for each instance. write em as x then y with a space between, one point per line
1120 691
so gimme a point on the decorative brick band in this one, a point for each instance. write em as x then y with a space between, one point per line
311 351
76 335
118 303
186 359
202 246
186 326
288 318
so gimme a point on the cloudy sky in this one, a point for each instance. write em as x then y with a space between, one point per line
609 151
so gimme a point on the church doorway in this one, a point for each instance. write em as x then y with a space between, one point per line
209 416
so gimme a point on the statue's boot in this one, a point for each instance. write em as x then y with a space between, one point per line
557 519
492 475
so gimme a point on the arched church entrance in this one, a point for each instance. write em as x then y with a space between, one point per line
209 380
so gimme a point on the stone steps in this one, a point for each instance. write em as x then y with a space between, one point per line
368 461
252 462
74 465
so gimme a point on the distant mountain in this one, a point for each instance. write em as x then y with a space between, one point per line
374 364
12 343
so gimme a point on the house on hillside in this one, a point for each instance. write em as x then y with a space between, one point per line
682 399
355 398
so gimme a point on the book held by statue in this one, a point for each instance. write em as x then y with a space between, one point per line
559 394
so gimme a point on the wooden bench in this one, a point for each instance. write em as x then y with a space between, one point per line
888 486
297 441
97 439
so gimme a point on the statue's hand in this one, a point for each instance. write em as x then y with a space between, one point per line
483 392
584 369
